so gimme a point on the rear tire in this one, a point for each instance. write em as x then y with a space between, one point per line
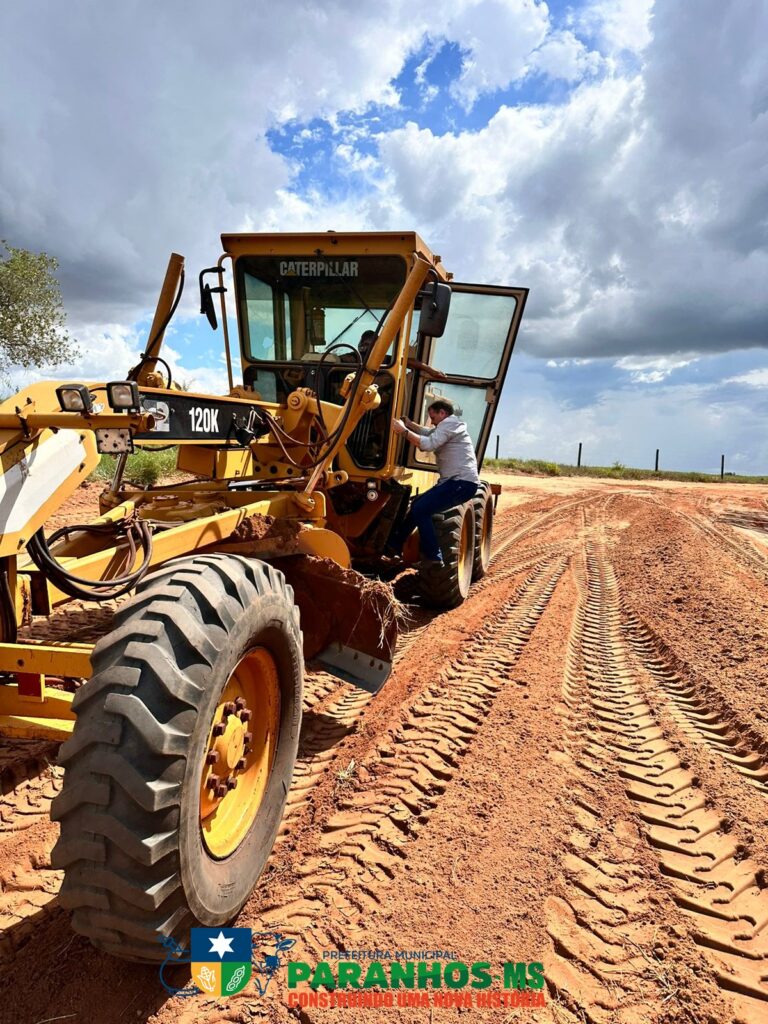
483 504
447 586
139 845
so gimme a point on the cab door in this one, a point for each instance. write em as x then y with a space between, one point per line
474 353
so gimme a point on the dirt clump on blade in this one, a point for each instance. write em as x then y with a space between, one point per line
341 605
336 604
268 531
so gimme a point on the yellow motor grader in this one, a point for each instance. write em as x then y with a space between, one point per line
209 594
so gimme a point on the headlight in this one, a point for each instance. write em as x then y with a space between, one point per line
74 398
123 394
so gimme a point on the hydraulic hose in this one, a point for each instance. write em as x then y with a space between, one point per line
136 532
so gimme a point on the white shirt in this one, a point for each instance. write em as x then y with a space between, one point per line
453 448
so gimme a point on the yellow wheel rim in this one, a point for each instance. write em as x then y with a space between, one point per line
240 751
466 552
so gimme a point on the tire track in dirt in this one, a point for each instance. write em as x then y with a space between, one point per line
362 844
601 924
546 518
326 726
741 550
505 568
698 708
27 771
29 801
710 875
364 841
737 547
28 884
29 779
745 519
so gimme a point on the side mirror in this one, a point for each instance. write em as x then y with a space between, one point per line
435 303
206 294
207 307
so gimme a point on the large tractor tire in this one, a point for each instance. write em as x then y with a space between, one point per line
179 765
448 585
483 505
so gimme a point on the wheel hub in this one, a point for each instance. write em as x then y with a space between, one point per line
233 761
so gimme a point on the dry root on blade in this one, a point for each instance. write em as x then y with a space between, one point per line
340 605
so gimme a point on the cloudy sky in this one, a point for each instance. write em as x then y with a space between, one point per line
611 155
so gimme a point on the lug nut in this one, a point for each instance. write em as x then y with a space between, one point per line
219 729
212 757
212 782
240 703
220 791
231 783
229 709
248 739
245 715
240 766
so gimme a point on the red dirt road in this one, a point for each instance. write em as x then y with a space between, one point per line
571 768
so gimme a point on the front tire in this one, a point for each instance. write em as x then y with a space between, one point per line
199 680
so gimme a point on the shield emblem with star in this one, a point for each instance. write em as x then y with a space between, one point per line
221 960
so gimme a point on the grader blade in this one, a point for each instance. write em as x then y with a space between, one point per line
349 622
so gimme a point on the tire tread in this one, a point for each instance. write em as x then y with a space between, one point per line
125 761
440 587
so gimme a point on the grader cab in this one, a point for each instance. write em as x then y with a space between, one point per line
165 640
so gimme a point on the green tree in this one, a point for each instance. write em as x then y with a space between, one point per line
32 317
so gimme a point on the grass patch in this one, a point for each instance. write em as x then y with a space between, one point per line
615 472
525 466
144 467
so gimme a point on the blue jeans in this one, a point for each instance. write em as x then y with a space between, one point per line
436 499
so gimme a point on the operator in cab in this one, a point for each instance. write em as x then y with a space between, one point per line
368 340
454 452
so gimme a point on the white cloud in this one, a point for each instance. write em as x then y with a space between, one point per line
355 161
619 24
753 378
653 369
509 201
498 37
108 352
635 210
691 425
564 56
428 91
114 154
